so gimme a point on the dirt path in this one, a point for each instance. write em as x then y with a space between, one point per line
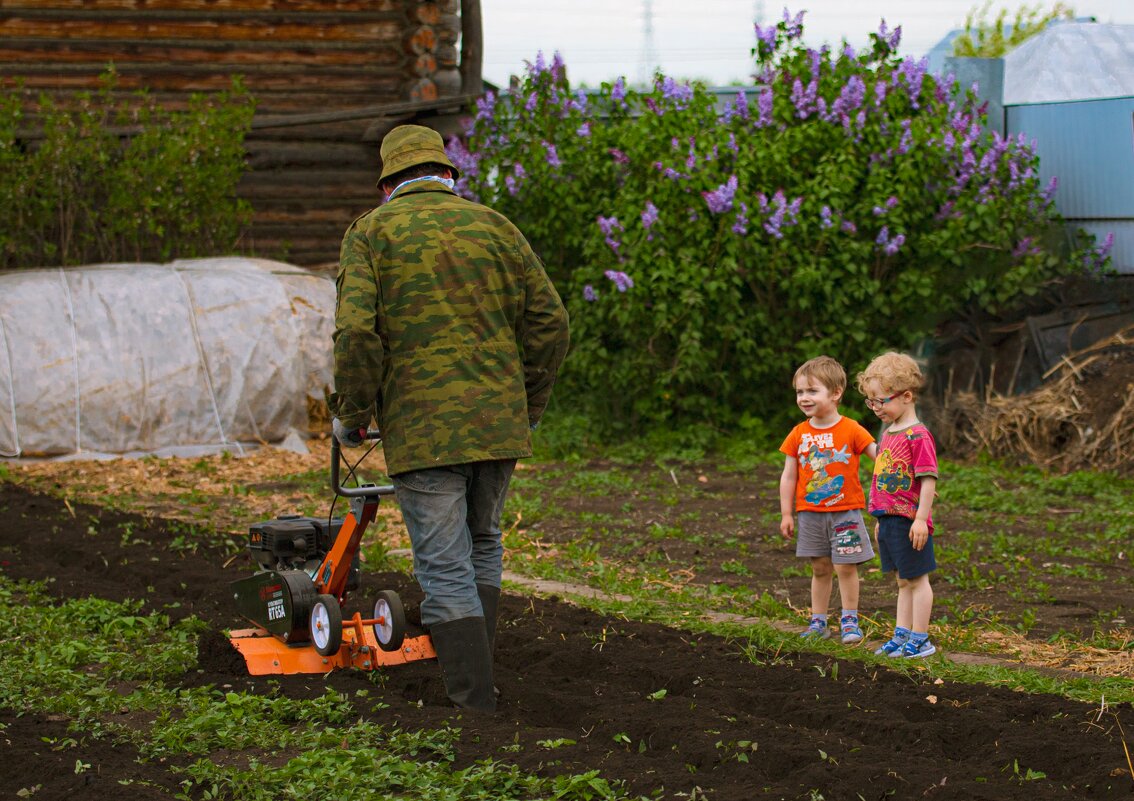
783 726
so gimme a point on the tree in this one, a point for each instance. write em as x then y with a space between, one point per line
845 203
991 39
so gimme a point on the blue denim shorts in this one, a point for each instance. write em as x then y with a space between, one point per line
897 552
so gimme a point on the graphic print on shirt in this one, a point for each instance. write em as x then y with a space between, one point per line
892 475
816 451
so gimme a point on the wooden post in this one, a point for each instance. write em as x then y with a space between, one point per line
472 48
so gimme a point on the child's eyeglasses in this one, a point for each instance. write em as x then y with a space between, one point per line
874 404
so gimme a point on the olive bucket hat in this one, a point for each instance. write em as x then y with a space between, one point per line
409 145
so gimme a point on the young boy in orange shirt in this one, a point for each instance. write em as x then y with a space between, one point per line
820 482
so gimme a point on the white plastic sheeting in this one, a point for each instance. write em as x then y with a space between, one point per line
1071 61
187 358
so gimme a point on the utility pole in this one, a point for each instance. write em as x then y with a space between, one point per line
649 56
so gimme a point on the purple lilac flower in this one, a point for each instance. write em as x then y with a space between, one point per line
557 70
848 52
584 130
691 159
533 101
793 26
552 156
848 227
825 220
677 93
618 91
780 212
649 217
907 140
742 105
890 245
486 106
764 106
539 67
620 279
510 185
466 162
850 98
804 99
766 37
618 156
608 226
913 72
589 294
672 174
1049 191
741 225
891 38
720 199
732 145
1104 249
1023 248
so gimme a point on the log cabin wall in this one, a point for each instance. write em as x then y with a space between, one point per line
330 77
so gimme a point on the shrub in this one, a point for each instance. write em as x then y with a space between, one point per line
105 180
845 203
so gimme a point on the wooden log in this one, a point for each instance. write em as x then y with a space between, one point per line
345 182
238 29
424 65
422 39
213 76
422 89
18 54
292 154
448 29
279 105
448 82
447 55
426 13
472 48
204 6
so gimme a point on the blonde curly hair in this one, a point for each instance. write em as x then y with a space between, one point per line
896 372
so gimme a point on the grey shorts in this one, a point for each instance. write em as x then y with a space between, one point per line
839 535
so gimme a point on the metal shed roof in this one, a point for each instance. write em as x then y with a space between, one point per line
1071 61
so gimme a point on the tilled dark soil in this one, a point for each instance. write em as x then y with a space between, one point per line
790 725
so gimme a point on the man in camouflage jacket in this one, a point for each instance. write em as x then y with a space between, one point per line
449 333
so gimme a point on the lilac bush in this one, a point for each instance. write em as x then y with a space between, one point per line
843 203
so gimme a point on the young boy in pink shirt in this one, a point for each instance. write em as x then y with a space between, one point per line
901 497
820 483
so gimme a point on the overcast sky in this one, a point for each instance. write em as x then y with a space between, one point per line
711 39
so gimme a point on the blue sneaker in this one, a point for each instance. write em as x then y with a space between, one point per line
817 629
893 647
916 649
851 631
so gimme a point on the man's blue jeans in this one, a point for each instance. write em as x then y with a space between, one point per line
453 517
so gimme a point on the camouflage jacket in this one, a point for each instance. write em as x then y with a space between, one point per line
447 331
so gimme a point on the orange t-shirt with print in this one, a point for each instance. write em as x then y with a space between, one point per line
827 480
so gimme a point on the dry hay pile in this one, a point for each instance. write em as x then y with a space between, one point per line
1081 417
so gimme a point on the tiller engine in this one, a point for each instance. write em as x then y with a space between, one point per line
307 566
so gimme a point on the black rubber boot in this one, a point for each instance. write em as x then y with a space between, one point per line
466 662
490 602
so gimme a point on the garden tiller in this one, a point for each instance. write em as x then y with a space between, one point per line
307 567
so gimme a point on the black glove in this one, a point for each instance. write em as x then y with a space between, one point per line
351 438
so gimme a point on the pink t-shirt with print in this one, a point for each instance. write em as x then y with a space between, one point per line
904 458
